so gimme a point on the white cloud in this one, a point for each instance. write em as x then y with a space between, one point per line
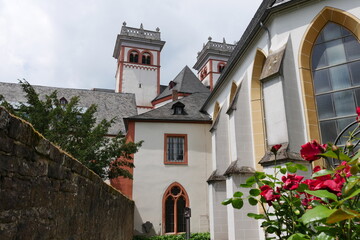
70 43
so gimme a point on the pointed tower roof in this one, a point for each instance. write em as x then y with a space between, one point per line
185 82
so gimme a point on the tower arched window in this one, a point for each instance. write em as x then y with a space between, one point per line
146 58
336 74
174 202
221 67
134 57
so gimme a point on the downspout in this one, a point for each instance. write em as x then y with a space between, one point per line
268 34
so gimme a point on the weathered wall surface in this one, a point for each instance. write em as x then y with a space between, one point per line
46 194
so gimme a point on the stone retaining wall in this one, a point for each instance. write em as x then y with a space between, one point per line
47 194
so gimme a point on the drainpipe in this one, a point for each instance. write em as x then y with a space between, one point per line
268 34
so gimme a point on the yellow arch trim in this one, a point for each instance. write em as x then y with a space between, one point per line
328 14
257 112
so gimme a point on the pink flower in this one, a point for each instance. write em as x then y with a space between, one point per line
311 150
291 181
268 193
275 148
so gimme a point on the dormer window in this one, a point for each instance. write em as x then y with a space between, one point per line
63 101
221 67
134 57
146 58
178 108
172 84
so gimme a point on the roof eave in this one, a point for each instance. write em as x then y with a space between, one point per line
252 30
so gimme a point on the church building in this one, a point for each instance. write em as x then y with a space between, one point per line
293 76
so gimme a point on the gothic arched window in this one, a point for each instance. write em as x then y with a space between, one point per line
146 58
336 74
174 202
134 57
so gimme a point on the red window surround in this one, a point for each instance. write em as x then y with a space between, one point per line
175 149
175 200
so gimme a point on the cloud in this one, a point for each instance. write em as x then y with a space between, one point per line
70 43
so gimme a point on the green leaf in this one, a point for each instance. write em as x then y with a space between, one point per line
341 215
256 216
316 214
255 192
322 172
246 185
226 201
251 180
357 192
237 203
291 169
351 184
301 167
302 187
356 157
331 154
253 201
260 175
322 194
298 236
283 170
324 236
238 194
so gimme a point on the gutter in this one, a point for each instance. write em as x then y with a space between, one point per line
261 16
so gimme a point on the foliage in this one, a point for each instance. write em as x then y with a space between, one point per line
193 236
74 129
324 207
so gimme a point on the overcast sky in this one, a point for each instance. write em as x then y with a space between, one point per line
69 43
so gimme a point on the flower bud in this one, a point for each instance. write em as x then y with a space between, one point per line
297 212
349 145
334 148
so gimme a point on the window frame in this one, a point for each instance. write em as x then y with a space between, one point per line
148 57
328 66
185 155
131 52
168 194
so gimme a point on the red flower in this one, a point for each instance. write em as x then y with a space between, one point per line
268 193
311 150
291 181
358 114
275 148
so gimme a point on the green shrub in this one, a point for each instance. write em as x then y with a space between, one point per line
193 236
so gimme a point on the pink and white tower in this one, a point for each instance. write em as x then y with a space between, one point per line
138 64
212 60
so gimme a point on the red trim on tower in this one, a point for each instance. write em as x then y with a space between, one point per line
121 67
158 73
125 185
211 75
168 98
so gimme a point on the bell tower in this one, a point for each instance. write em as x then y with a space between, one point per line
138 64
212 60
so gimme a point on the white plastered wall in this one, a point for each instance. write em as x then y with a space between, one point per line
152 177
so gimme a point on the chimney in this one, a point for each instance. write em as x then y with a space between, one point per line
174 95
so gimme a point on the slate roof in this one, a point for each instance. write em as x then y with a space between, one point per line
186 82
109 104
192 107
267 7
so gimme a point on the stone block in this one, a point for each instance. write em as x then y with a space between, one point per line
6 143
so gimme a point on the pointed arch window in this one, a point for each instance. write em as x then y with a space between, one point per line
146 58
336 75
174 202
134 57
